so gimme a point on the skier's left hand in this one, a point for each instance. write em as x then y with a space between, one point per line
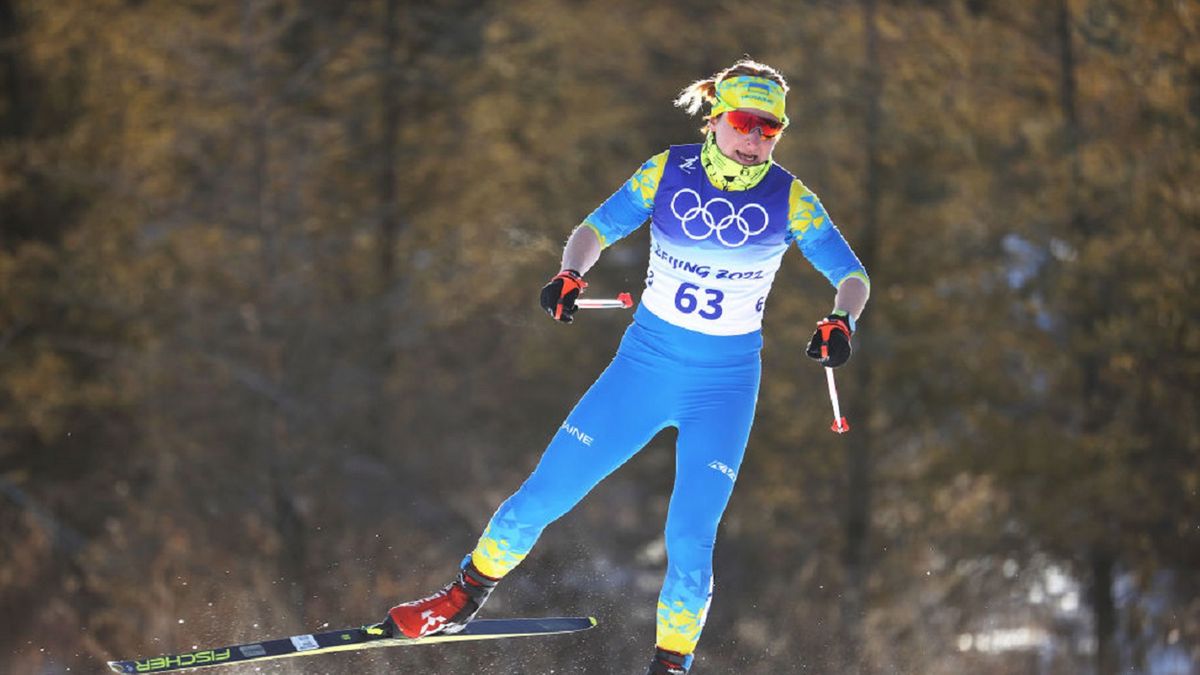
830 344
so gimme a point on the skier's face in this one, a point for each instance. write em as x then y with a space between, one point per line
744 148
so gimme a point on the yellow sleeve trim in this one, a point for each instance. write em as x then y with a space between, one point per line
600 237
856 275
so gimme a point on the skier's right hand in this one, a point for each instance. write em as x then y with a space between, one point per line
558 296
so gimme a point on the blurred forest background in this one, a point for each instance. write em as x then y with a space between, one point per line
271 354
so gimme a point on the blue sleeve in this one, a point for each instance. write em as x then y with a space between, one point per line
829 253
819 239
630 206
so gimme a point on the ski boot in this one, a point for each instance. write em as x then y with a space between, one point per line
669 663
448 611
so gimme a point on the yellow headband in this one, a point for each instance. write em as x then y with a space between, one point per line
748 91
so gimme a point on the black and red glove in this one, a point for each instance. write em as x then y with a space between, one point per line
558 296
830 344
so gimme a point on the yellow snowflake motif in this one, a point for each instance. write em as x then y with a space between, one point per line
494 557
804 211
679 628
644 182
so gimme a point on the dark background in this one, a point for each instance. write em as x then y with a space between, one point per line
271 355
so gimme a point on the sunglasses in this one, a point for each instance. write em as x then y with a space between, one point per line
746 122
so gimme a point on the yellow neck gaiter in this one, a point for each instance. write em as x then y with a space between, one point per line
725 173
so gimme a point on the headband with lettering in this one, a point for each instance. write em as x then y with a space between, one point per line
749 91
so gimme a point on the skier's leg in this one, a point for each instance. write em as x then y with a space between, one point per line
713 433
617 416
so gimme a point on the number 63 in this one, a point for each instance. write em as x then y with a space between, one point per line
687 301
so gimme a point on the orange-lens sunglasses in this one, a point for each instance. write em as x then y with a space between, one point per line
746 122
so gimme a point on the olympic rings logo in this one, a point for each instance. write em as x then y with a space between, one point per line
706 213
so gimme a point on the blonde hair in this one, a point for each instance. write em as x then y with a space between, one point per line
700 92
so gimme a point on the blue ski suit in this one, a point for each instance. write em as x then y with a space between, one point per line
689 360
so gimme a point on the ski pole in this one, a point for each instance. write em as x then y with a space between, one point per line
840 425
622 301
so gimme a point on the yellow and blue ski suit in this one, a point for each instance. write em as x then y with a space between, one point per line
690 360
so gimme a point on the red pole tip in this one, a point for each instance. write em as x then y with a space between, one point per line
626 299
840 426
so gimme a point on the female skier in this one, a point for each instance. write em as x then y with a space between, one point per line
722 215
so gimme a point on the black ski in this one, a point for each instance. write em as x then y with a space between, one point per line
346 639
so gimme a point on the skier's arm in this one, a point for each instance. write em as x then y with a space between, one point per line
582 250
851 296
824 246
628 207
620 214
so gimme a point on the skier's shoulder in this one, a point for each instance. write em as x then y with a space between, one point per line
685 149
779 173
683 158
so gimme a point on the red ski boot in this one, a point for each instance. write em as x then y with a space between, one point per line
669 663
446 611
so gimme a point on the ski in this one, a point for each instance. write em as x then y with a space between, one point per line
346 639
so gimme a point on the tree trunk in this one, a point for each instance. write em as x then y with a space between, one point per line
272 424
381 326
389 225
1068 95
855 557
13 115
1102 561
1104 612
